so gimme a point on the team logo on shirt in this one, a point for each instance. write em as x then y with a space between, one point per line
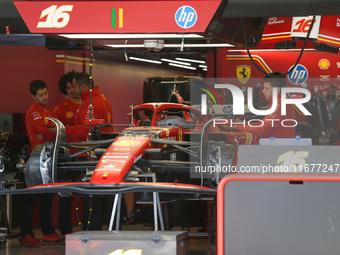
69 115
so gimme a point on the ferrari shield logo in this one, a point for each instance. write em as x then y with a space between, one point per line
243 73
180 135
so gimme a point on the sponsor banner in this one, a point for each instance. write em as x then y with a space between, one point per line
280 29
330 31
277 29
117 16
315 68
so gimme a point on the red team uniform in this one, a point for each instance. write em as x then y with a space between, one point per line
66 111
35 119
101 108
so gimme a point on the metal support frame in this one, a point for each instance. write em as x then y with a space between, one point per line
157 210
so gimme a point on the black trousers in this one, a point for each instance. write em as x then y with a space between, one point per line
65 204
45 213
64 215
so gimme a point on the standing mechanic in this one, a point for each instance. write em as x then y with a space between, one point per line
65 112
38 134
272 128
101 109
67 109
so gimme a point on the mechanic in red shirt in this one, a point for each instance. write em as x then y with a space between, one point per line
101 109
273 128
67 109
38 134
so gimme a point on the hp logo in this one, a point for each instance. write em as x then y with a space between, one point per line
186 16
228 109
298 75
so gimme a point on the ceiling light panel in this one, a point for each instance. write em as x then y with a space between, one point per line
192 60
223 45
130 36
200 45
146 60
186 67
176 62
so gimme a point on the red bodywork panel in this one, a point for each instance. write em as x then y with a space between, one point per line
118 159
124 152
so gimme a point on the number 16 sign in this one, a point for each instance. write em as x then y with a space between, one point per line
301 25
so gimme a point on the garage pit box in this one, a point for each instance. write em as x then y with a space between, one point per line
127 242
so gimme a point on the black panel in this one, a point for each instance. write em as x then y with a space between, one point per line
156 90
56 44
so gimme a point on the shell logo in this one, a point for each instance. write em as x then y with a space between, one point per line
126 143
324 63
69 115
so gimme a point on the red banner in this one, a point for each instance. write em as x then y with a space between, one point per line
117 16
329 32
277 29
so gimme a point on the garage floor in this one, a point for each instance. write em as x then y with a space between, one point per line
197 245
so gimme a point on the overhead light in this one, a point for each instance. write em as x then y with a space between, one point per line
155 45
171 45
124 45
203 66
205 69
200 45
146 60
192 60
129 36
186 67
176 62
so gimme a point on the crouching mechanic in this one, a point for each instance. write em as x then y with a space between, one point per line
272 126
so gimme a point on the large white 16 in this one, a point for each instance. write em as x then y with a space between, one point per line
54 15
293 161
